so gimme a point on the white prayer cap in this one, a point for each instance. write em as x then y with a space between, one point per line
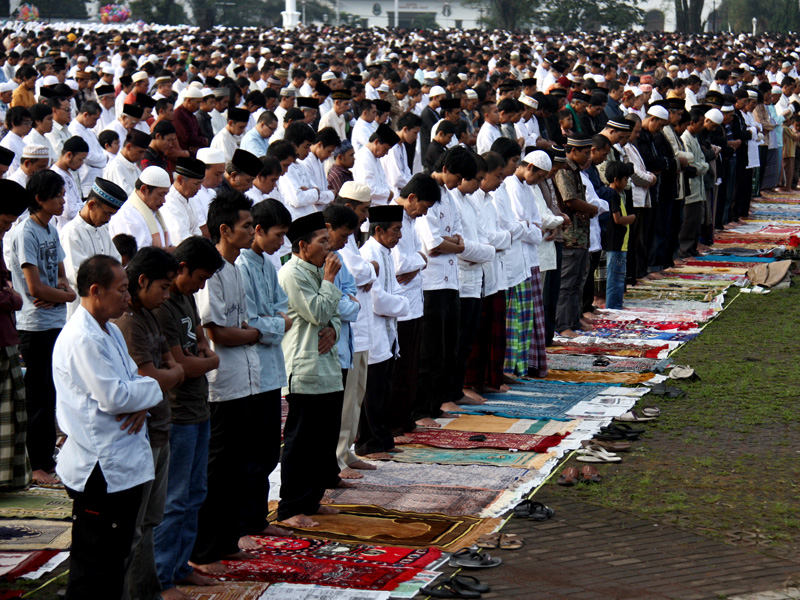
539 159
715 115
727 108
328 76
155 177
383 88
73 85
357 192
349 50
528 101
250 60
471 94
35 151
658 112
192 92
211 156
206 92
196 84
437 90
83 59
637 91
776 90
8 86
463 76
139 76
109 70
50 80
752 94
786 65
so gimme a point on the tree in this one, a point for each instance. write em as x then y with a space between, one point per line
688 16
506 14
425 21
580 15
772 15
57 9
163 12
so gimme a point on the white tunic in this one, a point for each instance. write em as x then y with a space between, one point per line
13 142
513 258
487 134
476 253
395 165
180 217
443 219
73 198
34 138
331 119
57 137
523 205
316 175
369 171
96 159
364 274
490 232
407 255
129 220
122 172
361 133
227 142
299 201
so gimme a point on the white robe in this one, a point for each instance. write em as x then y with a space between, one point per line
369 171
96 159
227 142
180 217
122 172
129 220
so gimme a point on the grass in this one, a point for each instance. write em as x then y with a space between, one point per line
724 459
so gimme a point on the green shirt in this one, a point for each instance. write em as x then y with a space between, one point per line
313 305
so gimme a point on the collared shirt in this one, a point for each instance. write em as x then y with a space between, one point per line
364 274
513 257
96 381
369 171
299 201
58 136
348 313
265 299
73 197
523 205
569 186
476 253
96 159
316 175
223 302
107 116
388 303
487 134
187 129
254 143
313 306
395 167
337 177
442 220
80 241
179 216
407 256
361 133
331 119
201 200
490 232
227 142
122 172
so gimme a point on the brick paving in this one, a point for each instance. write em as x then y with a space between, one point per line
588 552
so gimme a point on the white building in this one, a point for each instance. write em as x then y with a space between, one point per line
380 13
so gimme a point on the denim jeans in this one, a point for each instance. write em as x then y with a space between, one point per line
186 490
616 269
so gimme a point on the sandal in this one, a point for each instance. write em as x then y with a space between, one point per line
651 411
633 417
510 541
623 430
601 361
608 445
596 454
590 474
471 583
449 588
471 559
540 512
569 476
488 541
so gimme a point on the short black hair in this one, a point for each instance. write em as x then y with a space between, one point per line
224 210
338 215
446 127
90 107
272 166
282 150
198 252
493 161
107 137
45 184
125 245
16 115
459 161
96 270
505 147
152 262
303 238
408 121
600 142
424 187
327 136
298 133
271 213
618 170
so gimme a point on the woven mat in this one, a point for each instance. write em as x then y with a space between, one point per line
492 424
413 453
230 590
39 503
459 440
34 534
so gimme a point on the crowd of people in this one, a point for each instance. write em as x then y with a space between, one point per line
378 226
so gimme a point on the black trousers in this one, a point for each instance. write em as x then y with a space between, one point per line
36 348
406 378
589 286
440 327
103 525
637 248
470 309
218 520
551 286
374 434
262 447
309 464
690 230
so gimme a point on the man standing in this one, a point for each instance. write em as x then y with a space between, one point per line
186 125
140 216
178 211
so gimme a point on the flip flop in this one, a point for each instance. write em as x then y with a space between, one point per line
489 541
622 430
540 512
569 476
510 541
651 411
596 454
590 474
449 589
609 445
471 583
633 417
470 559
523 509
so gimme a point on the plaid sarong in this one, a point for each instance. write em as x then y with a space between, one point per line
519 323
537 353
15 468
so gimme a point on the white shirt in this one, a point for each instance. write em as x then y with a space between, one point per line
200 201
122 172
34 138
331 119
513 258
487 134
106 117
395 167
96 159
595 242
129 220
116 125
523 205
180 217
490 232
442 219
300 202
369 171
361 133
641 195
13 142
476 253
80 241
73 199
227 142
57 137
218 121
407 256
223 302
96 381
388 303
547 249
316 175
364 274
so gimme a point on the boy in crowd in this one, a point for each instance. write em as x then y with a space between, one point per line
618 232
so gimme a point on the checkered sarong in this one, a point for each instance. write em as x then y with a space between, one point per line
15 468
519 323
537 354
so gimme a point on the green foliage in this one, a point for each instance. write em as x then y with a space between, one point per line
579 15
56 9
425 21
507 14
772 15
688 16
163 12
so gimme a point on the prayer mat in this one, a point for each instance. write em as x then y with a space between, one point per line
493 424
591 377
16 564
574 362
36 503
455 500
230 590
378 525
459 440
387 556
536 400
391 474
614 350
34 534
498 458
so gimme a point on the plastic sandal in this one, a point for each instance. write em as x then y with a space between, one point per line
523 509
596 454
651 411
590 474
489 541
449 589
569 476
470 559
540 512
471 583
633 417
510 541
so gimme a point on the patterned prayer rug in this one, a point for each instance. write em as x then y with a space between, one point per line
455 500
493 424
498 458
377 525
230 590
34 534
387 556
16 564
449 439
613 350
574 362
36 503
392 474
598 377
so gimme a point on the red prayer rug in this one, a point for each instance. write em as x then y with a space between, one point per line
447 438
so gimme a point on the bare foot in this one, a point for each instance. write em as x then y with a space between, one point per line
277 531
378 456
428 423
302 521
509 379
248 543
504 388
471 397
43 477
568 333
586 325
240 555
325 500
449 415
328 510
215 568
348 473
174 594
394 450
195 578
402 439
448 406
589 316
344 484
362 465
678 262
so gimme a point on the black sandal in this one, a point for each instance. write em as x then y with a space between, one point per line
449 588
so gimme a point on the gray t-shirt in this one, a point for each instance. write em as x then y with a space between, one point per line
31 244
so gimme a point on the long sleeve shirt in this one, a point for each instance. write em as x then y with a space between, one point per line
442 220
407 256
523 205
254 143
348 313
179 216
514 256
395 166
696 192
476 253
227 142
363 273
188 130
95 161
316 175
298 191
96 381
73 198
122 172
369 171
490 232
